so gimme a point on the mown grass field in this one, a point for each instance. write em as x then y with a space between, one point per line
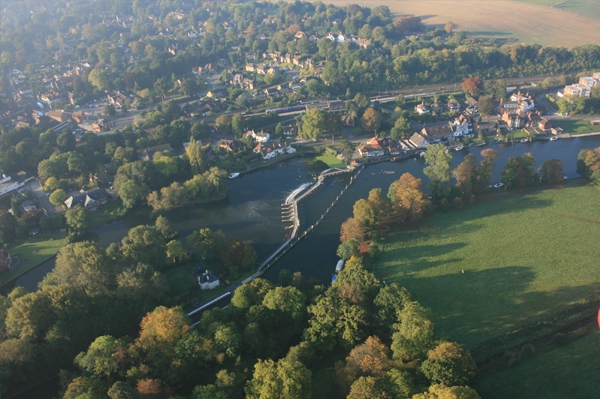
524 255
531 23
577 127
570 371
33 251
329 157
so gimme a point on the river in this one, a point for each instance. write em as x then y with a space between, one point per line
252 211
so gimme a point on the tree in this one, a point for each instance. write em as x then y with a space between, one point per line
401 128
588 162
164 226
144 244
407 197
443 392
282 380
519 172
485 105
414 334
99 78
347 249
175 250
8 224
122 390
551 171
370 388
58 197
448 364
83 265
438 159
66 141
109 110
369 359
449 27
484 171
472 86
347 150
79 220
251 294
142 285
238 123
313 124
206 242
466 175
352 229
100 359
495 89
196 156
189 86
371 120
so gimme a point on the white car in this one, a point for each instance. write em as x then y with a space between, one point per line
498 185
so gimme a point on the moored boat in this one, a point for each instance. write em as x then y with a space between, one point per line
233 175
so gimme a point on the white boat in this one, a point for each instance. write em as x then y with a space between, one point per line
553 138
233 175
460 147
524 140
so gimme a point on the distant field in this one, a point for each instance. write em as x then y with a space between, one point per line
531 23
576 127
523 255
567 372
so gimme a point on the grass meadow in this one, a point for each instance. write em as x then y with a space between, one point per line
569 371
577 127
524 255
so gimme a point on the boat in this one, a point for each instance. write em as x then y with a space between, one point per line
460 147
422 154
233 175
524 140
553 138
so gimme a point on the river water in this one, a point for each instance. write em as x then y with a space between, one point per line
252 211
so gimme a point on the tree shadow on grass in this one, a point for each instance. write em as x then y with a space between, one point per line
477 305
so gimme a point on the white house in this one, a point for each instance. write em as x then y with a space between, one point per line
208 281
260 137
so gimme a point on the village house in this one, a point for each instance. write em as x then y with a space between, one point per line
91 200
208 281
421 109
230 145
59 116
147 153
117 99
545 125
461 126
371 148
260 137
347 121
273 149
336 105
418 141
436 132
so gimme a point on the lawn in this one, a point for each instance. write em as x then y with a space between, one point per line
108 213
329 157
523 255
576 127
33 251
570 371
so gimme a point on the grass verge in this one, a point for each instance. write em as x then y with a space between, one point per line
524 256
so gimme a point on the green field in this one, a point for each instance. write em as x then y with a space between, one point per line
524 255
33 251
571 371
587 8
576 127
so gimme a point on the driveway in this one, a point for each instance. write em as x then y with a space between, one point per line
35 187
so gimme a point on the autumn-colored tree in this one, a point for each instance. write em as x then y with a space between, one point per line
449 27
151 388
364 213
407 197
369 359
371 388
551 171
380 205
465 175
588 162
408 24
352 229
371 120
472 86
